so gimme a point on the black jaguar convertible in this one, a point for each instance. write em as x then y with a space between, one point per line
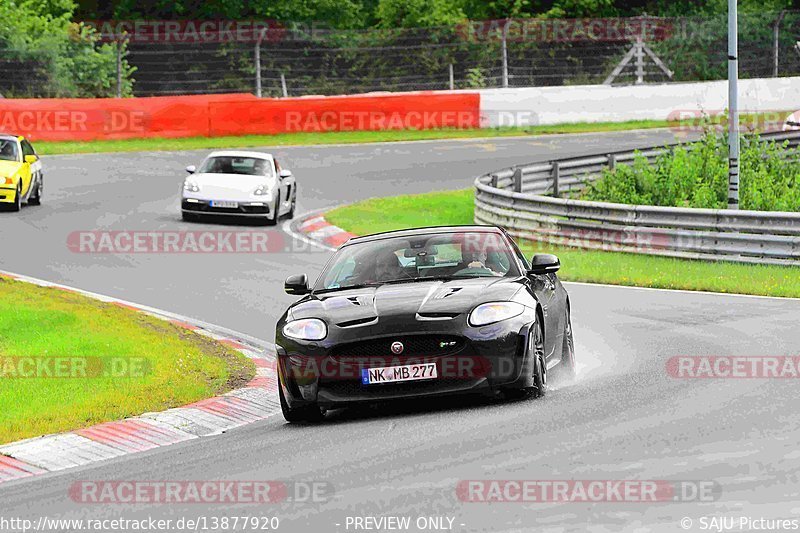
423 312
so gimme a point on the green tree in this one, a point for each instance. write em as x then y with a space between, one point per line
419 13
66 58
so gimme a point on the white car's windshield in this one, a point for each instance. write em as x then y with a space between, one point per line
250 166
8 150
419 258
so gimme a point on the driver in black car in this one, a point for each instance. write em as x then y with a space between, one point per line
480 263
388 267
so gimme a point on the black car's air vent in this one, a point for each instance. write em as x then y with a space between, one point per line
447 292
413 346
356 322
437 316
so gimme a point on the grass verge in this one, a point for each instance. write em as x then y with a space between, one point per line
340 137
111 362
748 121
615 268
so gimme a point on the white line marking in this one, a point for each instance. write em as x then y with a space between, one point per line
276 147
682 291
287 228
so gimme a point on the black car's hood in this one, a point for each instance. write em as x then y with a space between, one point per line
423 299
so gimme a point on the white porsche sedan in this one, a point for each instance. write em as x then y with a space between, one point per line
240 184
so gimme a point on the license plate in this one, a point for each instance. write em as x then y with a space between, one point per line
224 203
393 374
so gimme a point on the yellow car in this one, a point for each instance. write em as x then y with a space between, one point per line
21 178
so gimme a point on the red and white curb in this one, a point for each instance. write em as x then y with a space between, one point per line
256 401
315 229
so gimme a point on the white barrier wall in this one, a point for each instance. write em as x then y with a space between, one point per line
603 103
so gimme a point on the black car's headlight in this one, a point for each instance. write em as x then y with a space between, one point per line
307 329
490 313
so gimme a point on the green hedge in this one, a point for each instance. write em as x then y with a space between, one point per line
696 175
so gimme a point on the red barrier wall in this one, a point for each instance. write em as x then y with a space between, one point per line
232 114
347 113
79 119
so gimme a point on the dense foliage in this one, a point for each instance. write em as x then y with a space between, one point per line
408 13
410 44
696 175
51 51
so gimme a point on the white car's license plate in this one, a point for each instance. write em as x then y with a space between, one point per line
392 374
224 203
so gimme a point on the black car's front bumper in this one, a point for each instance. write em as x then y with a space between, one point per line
329 372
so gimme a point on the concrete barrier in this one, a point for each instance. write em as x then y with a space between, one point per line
604 103
241 114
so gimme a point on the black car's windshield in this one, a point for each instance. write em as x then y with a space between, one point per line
250 166
435 256
8 150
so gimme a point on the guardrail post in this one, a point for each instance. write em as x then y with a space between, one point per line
517 179
257 55
283 86
555 174
612 162
493 181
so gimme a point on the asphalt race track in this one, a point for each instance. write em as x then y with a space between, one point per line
624 418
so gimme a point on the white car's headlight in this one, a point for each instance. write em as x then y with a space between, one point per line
191 186
307 329
263 190
494 312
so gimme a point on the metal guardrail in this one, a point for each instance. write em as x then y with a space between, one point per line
515 198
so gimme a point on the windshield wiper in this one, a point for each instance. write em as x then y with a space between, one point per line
346 287
431 278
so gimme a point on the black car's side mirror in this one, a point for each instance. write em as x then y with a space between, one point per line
297 284
544 264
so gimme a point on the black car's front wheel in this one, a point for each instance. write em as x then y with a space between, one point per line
539 368
567 366
536 365
307 413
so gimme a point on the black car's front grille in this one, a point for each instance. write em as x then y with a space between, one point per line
353 388
413 346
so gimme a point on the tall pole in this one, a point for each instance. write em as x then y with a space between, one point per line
776 33
504 52
258 62
733 105
452 78
119 67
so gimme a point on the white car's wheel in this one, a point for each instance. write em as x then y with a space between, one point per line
271 221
